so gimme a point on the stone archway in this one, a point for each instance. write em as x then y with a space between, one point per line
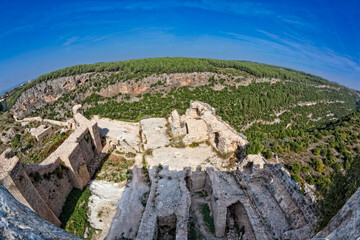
238 222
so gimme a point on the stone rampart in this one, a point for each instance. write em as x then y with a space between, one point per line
15 179
44 187
303 202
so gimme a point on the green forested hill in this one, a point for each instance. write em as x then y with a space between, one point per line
144 67
297 102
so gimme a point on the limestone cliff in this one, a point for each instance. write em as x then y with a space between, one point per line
45 92
19 222
83 85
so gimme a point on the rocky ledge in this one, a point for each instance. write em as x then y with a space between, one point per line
20 222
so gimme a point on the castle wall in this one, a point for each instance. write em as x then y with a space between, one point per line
162 213
54 188
19 184
200 123
44 187
197 179
303 202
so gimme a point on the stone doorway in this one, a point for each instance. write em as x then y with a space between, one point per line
238 223
166 227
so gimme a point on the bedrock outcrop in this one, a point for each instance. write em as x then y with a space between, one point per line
346 223
19 222
46 92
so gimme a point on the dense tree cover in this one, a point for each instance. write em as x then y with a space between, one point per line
237 106
149 66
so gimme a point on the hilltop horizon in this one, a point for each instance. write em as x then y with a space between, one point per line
313 37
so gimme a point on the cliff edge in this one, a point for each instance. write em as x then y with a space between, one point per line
18 222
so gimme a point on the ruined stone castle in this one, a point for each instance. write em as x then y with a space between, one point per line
254 200
173 185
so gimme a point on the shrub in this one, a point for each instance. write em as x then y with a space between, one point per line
74 215
318 165
194 144
296 178
268 154
316 151
295 168
305 169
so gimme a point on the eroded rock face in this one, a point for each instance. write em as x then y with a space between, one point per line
49 91
45 92
19 222
102 204
346 223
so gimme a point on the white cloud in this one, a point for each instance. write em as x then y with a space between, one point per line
70 41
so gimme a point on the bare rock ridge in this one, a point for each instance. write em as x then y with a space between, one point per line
49 91
46 92
346 223
19 222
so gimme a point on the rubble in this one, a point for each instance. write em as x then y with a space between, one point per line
41 132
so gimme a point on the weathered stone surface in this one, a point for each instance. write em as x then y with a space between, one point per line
153 133
200 123
252 161
196 131
123 135
130 210
102 205
19 222
346 223
14 178
179 158
41 132
167 210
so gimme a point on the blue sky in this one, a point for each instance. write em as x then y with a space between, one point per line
319 37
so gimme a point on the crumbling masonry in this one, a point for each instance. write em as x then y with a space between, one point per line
175 190
253 200
44 187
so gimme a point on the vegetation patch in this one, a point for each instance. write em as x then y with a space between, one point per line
116 168
202 193
335 190
208 219
194 233
194 144
74 215
24 145
177 142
